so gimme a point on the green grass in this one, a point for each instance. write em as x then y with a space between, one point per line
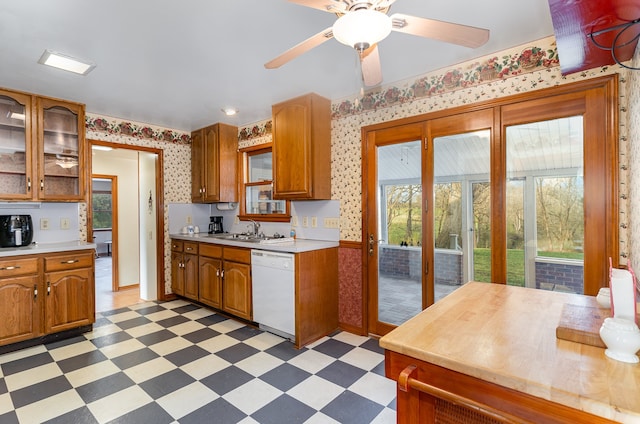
515 264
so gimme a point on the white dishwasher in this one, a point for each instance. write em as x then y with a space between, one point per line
273 284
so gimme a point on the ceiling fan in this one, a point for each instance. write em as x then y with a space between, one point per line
362 24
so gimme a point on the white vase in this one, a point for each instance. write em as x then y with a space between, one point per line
622 338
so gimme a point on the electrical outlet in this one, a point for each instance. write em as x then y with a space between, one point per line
64 223
44 223
294 221
331 222
314 222
305 221
236 220
189 220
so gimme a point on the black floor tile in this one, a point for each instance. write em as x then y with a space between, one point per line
9 418
65 342
285 376
157 337
334 348
114 312
134 322
27 363
101 322
244 333
111 339
285 351
379 369
170 322
186 355
211 319
42 390
166 383
283 410
237 353
3 386
81 361
226 380
80 416
150 310
150 413
218 411
105 386
350 408
134 358
201 335
341 373
184 309
373 345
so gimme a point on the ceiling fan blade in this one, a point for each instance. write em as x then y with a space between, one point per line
300 48
325 5
463 35
371 69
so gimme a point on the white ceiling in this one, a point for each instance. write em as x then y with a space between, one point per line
177 63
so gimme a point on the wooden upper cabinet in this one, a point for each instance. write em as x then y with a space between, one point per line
214 164
302 148
42 148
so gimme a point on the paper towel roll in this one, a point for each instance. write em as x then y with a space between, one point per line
623 294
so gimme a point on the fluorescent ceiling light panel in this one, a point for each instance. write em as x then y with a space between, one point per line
68 63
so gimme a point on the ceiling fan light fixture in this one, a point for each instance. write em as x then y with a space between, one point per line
362 28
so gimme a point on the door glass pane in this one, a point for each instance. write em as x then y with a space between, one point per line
545 205
13 164
400 230
461 211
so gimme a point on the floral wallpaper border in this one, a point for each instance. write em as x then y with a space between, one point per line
135 130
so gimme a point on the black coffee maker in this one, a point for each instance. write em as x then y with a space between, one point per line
215 226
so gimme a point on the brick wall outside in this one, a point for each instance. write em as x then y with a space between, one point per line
560 276
406 262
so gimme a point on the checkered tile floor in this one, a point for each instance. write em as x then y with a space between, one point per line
175 362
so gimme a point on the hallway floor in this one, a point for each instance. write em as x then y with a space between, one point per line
106 298
175 362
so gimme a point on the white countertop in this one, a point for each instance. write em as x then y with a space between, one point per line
46 248
297 246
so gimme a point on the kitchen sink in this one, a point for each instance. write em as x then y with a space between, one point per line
252 238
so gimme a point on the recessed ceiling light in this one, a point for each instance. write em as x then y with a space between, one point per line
68 63
230 111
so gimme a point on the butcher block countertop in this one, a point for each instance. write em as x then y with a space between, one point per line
507 335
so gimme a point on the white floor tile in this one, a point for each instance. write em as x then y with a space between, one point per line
320 418
19 354
311 361
149 369
362 358
252 396
187 399
169 346
122 348
175 304
50 407
118 404
350 338
198 313
218 343
186 328
226 326
315 392
375 387
72 350
123 316
160 315
145 329
258 364
205 366
103 330
142 305
32 376
386 416
264 341
6 404
91 373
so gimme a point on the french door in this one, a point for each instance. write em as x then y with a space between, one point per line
507 193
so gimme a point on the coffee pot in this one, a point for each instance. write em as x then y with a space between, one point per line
215 226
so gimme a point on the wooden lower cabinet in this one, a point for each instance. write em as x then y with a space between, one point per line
236 289
184 268
210 284
44 294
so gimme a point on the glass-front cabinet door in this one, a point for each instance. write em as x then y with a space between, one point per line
15 146
61 147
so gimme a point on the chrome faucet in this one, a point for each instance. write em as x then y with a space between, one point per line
256 227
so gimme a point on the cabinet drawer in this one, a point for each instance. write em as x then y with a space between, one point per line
237 255
69 261
191 247
18 266
177 245
210 250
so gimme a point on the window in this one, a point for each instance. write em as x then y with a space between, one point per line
257 200
102 210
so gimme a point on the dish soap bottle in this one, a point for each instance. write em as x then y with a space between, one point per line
292 233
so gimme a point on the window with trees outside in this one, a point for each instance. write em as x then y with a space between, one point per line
102 210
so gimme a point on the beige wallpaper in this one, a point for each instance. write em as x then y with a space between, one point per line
176 148
634 160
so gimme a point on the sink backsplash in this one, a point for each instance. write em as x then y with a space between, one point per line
200 213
